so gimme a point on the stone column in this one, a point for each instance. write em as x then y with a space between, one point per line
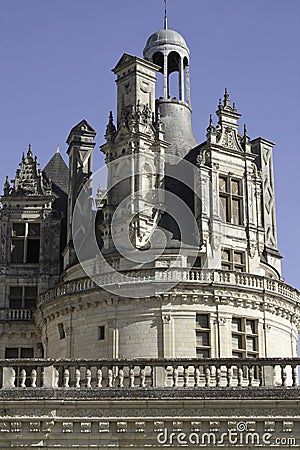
166 83
187 85
181 80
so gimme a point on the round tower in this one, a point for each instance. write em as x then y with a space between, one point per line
168 50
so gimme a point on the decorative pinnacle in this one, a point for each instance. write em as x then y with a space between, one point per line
245 130
165 17
57 149
6 186
110 129
210 127
29 152
226 98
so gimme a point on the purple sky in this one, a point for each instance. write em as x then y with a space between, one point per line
56 57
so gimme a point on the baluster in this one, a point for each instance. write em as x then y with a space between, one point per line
295 375
229 376
152 374
240 376
66 378
131 377
197 377
77 378
12 381
207 376
186 376
251 375
175 376
218 376
143 377
33 378
121 378
274 375
42 376
99 378
110 377
284 376
56 378
88 376
23 378
260 376
166 376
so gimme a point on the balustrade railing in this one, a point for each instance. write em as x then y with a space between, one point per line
151 373
20 314
200 276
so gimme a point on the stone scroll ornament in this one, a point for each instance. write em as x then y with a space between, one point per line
134 226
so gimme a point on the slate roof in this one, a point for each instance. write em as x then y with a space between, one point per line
57 171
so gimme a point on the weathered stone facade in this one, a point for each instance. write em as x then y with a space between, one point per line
151 312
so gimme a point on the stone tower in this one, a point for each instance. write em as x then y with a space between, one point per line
162 318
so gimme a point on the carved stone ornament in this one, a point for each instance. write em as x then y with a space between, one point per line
166 318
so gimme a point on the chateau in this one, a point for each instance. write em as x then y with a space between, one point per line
143 305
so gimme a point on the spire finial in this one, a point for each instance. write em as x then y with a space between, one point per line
29 152
57 149
6 186
226 98
165 17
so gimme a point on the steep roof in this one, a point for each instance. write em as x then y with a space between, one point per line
57 171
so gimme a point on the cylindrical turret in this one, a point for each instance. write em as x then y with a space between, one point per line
168 50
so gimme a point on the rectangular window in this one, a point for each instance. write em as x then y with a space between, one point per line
101 333
25 246
22 297
14 352
61 331
233 260
231 200
203 347
244 338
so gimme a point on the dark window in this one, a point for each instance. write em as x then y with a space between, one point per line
202 336
244 338
25 246
101 333
14 352
22 297
231 200
11 353
233 260
61 331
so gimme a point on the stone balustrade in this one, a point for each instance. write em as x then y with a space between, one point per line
20 314
149 373
197 276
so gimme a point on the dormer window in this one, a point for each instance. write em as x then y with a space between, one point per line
25 245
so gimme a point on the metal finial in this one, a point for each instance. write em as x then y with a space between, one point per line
57 149
165 17
245 130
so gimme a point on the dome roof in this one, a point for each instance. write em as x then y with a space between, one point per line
166 37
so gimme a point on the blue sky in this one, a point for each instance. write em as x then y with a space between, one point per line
55 69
